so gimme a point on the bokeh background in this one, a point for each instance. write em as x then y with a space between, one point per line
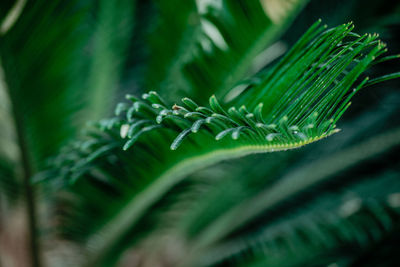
67 63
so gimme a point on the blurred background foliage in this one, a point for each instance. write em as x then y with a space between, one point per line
66 63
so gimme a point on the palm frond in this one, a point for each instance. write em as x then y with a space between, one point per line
314 79
241 179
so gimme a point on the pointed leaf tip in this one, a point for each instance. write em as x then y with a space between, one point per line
189 103
215 106
178 140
